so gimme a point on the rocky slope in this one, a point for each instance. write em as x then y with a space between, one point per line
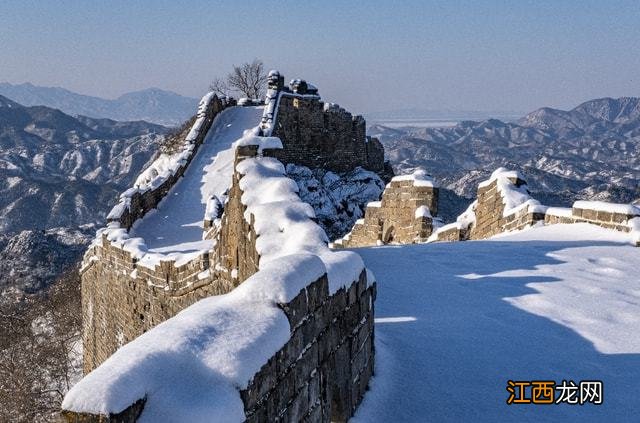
151 105
338 199
58 176
592 151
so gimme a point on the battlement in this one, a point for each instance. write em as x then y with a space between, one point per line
316 134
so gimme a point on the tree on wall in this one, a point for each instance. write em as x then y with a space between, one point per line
248 79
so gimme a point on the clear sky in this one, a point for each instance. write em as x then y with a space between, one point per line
461 55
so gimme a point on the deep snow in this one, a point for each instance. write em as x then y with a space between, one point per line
455 321
176 226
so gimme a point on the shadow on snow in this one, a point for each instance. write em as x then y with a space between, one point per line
453 361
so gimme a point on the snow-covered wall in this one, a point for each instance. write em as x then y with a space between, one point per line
316 134
153 184
404 215
293 341
504 204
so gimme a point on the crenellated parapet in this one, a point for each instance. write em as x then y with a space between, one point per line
316 134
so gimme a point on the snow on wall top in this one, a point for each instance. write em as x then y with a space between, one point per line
423 211
298 88
215 346
419 177
212 348
283 222
559 211
468 217
500 173
514 198
166 165
628 209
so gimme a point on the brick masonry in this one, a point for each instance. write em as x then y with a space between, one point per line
322 373
490 218
317 134
332 335
394 218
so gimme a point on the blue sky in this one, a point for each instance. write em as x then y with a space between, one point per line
458 55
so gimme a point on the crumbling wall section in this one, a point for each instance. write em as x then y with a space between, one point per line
317 134
492 214
503 204
404 215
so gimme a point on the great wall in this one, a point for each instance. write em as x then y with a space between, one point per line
278 326
408 211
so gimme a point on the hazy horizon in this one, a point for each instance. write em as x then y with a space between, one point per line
494 56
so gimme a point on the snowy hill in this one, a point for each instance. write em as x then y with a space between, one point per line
456 321
58 173
151 105
590 152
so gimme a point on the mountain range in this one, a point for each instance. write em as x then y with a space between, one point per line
151 105
59 175
589 152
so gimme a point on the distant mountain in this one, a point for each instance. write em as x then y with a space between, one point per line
151 105
591 151
417 114
59 175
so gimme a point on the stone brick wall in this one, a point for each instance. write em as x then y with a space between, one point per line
606 219
450 233
317 134
235 255
121 300
141 203
396 218
322 373
490 218
128 415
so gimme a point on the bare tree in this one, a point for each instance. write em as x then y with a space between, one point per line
220 87
39 355
248 79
